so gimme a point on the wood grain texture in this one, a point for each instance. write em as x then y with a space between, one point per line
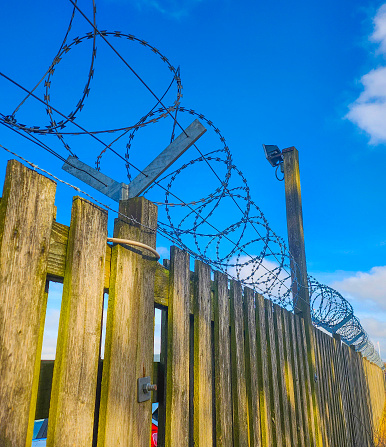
298 382
130 332
274 375
302 381
290 376
322 394
177 382
203 410
343 393
239 391
223 395
71 417
252 373
26 215
308 353
282 382
266 413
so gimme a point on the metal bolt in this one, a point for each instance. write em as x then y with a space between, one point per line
147 388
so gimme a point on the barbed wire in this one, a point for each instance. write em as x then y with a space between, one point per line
190 223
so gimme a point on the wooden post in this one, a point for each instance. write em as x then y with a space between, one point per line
296 233
26 216
123 421
298 264
71 417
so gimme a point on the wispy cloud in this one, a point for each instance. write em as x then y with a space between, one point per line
365 286
377 332
368 112
175 9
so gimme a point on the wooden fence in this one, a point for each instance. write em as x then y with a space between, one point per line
234 368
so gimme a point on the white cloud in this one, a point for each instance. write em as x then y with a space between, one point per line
50 334
369 111
379 34
365 286
175 9
377 332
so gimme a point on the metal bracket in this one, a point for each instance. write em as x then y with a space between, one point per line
121 191
144 389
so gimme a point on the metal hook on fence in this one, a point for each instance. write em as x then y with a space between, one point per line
134 243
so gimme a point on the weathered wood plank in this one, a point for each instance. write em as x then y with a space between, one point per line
26 215
58 250
290 376
252 374
331 398
222 368
298 383
203 414
71 418
177 382
130 332
239 391
285 409
266 413
302 381
274 379
308 353
57 264
343 391
337 398
321 385
353 422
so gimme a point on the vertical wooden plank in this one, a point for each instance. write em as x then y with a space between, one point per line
74 384
282 382
350 390
324 420
129 342
328 417
290 377
223 394
343 389
337 391
273 375
252 374
177 382
308 351
239 391
299 386
26 215
265 398
203 415
304 398
332 397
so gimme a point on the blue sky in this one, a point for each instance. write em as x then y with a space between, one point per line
304 74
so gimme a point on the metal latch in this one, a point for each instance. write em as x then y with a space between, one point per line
144 389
